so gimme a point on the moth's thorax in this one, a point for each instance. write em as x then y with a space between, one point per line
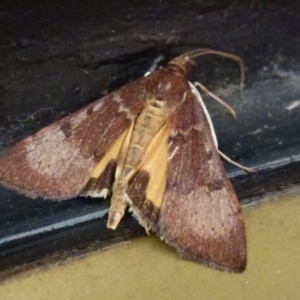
168 85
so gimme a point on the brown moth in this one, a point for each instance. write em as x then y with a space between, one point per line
151 145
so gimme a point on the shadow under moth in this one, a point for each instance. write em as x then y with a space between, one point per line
151 146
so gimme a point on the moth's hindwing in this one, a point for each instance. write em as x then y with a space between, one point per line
103 175
147 188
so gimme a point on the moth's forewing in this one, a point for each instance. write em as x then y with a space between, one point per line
200 215
57 161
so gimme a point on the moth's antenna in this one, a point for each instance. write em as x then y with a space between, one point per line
191 55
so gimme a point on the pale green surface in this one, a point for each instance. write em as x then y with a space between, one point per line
148 269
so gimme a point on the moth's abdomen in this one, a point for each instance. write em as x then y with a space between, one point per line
146 127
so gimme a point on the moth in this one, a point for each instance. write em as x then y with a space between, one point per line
150 146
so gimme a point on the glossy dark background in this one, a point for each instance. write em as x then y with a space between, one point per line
56 57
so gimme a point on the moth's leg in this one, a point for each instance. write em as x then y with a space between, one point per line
199 98
209 121
225 157
209 93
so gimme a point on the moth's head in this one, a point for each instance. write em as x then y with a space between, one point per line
182 64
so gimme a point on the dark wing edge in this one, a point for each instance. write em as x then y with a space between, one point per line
57 161
200 215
